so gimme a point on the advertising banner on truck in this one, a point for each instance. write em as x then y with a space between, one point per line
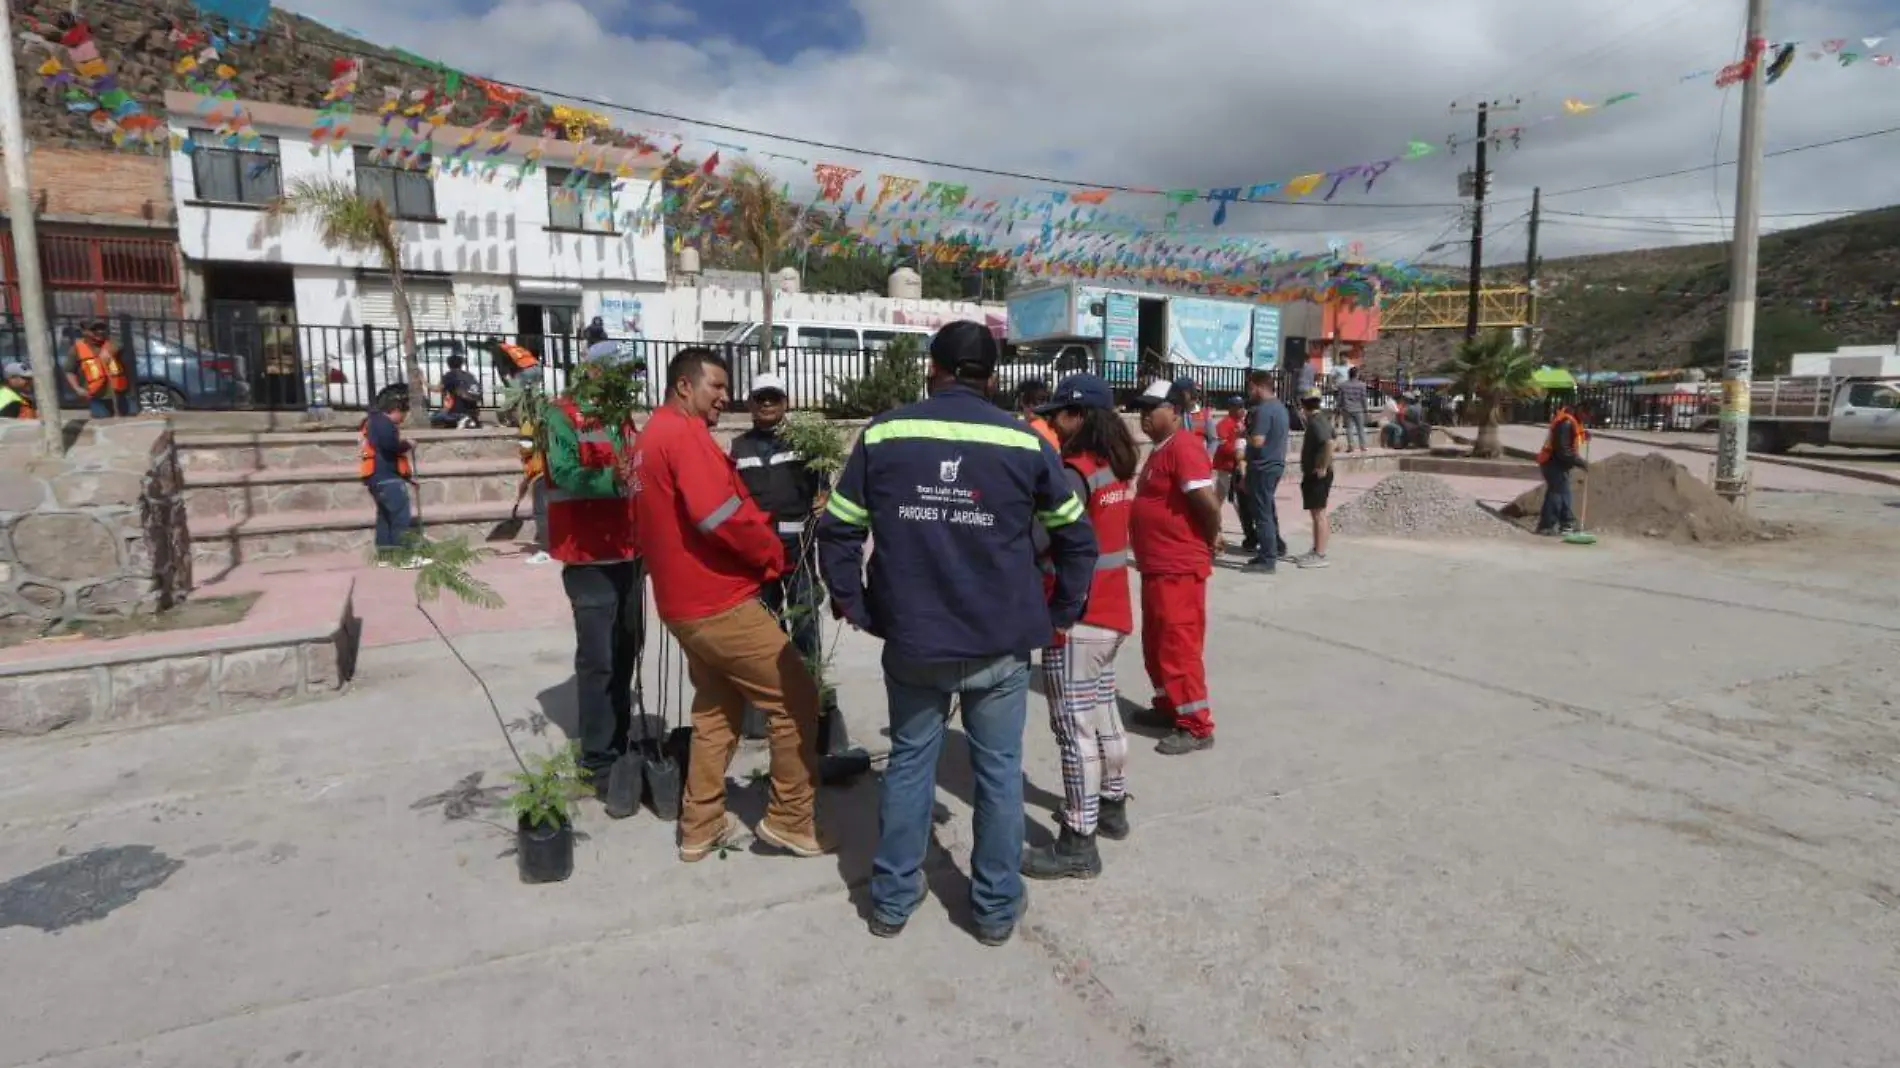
1120 331
1039 314
1090 304
1210 333
1266 339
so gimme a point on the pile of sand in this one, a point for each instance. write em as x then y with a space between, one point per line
1651 496
1411 505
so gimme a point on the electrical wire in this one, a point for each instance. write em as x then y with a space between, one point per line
1847 139
1717 219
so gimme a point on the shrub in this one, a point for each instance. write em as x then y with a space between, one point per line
895 379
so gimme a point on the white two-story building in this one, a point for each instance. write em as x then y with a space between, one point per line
532 256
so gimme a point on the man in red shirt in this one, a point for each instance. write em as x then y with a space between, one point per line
709 549
1230 483
1175 531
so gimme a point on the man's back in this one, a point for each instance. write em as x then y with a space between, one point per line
949 489
1352 396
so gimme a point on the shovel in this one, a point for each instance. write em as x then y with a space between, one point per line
663 775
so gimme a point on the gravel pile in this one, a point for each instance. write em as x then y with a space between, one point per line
1408 505
1651 496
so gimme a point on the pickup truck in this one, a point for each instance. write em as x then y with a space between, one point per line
1824 410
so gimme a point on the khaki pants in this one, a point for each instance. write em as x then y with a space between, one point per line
737 656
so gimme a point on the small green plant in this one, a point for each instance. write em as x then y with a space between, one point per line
815 439
895 379
443 566
608 391
546 786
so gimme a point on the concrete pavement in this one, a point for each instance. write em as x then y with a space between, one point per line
1766 474
1509 804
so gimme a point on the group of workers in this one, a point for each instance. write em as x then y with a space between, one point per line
92 366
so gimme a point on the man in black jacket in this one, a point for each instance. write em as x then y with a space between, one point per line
782 485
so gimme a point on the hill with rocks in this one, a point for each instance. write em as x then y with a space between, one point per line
1821 286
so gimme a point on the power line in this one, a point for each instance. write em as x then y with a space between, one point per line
1720 219
1707 166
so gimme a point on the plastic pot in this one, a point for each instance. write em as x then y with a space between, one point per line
545 854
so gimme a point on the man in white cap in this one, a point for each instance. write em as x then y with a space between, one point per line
780 483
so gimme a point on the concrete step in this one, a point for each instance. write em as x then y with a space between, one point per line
212 495
217 546
206 453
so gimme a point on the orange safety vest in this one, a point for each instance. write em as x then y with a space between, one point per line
1041 426
366 463
522 357
1550 440
533 464
1110 509
100 368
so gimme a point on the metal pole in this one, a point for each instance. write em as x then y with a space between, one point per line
1530 267
1738 366
1477 224
26 247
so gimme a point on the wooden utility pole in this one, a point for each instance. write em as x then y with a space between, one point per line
1530 270
1480 182
26 247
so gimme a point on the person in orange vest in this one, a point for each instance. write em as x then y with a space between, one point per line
96 373
16 397
593 531
1030 397
1562 453
387 470
711 549
1099 459
515 365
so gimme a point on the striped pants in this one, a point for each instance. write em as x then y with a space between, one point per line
1079 681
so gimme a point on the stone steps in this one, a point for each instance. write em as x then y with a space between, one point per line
213 496
217 545
208 453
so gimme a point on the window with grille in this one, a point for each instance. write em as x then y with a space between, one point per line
408 192
225 174
580 201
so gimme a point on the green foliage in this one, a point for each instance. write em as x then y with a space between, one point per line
816 439
443 567
608 391
546 787
1493 370
344 220
896 379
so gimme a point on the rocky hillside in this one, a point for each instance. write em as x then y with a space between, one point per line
1822 286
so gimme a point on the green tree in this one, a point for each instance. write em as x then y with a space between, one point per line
348 221
1493 370
764 222
896 379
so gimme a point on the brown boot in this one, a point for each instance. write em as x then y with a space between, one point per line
809 846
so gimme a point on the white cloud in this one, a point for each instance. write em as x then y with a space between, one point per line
1135 93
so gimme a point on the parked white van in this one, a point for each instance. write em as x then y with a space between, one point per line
811 355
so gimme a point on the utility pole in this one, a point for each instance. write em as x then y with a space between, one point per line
26 246
1530 269
1480 181
1738 365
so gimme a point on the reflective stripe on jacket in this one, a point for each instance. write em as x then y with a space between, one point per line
1110 507
100 368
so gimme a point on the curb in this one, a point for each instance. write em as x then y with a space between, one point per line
1818 466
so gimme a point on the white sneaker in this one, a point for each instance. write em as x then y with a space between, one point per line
1310 561
538 559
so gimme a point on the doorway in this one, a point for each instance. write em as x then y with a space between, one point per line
253 318
1151 337
550 329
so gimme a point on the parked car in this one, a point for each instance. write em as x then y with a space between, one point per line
168 375
347 386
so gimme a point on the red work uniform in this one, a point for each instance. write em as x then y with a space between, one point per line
707 546
1175 563
1227 449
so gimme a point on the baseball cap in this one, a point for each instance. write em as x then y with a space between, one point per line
1079 391
967 348
1158 393
16 369
768 383
1185 385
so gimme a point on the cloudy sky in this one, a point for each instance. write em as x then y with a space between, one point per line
1228 92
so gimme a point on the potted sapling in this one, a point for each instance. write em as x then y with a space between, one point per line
542 804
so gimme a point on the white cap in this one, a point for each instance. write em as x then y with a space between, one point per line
768 383
1158 393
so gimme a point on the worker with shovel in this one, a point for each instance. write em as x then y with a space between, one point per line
1561 454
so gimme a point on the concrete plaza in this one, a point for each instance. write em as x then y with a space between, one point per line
1501 804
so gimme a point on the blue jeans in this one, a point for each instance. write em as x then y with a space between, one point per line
995 696
1557 507
394 520
102 407
1262 482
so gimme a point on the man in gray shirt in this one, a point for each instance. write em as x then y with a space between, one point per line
1267 429
1352 408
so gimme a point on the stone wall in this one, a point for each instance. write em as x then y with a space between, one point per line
96 533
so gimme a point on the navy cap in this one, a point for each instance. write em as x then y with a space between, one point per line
1079 391
1186 385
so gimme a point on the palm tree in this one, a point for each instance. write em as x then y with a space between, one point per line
762 220
347 220
1493 371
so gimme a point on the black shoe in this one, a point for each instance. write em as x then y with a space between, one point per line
887 929
842 769
1250 546
1153 719
1112 824
1261 567
1545 532
996 936
1181 743
1070 856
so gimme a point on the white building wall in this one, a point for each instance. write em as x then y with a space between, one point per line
489 238
692 307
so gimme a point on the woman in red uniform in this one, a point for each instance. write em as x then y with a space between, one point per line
1099 457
